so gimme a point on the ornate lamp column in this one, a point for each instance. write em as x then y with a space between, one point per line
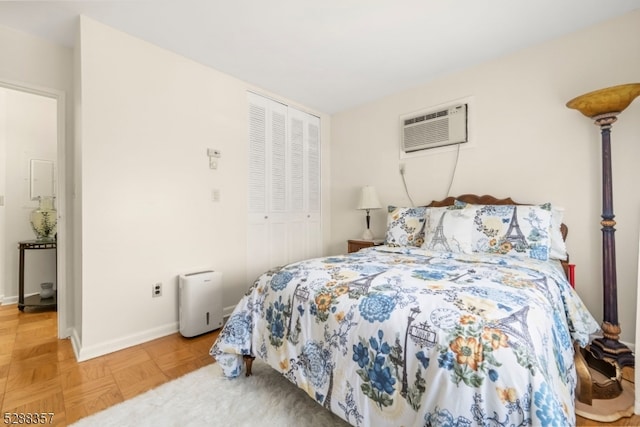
603 106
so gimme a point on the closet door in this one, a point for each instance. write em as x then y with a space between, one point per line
284 186
268 231
314 195
304 143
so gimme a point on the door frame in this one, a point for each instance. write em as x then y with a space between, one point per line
61 194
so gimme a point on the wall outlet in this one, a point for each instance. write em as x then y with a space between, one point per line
156 290
402 168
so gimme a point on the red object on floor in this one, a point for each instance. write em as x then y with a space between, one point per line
572 275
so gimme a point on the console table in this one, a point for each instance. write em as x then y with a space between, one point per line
34 300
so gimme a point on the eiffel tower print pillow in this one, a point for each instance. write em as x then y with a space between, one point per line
558 249
448 228
521 230
405 226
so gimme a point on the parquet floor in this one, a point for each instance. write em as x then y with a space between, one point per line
39 373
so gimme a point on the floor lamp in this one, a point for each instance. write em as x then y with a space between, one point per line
603 106
603 397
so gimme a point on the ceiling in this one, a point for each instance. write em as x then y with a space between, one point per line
329 55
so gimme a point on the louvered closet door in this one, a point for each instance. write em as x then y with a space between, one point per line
284 186
267 244
304 145
314 196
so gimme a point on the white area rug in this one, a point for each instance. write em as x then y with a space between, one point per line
205 398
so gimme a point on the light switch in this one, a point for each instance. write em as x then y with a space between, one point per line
215 195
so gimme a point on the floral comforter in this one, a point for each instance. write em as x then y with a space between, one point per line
397 336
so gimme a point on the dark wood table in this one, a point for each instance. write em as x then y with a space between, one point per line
34 300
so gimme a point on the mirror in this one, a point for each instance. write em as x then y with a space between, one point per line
42 178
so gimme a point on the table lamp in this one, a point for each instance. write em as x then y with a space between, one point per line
368 200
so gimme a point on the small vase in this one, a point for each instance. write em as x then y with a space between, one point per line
44 220
47 290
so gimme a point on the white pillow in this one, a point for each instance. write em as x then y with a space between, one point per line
558 246
448 228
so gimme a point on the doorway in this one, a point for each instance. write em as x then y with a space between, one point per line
32 144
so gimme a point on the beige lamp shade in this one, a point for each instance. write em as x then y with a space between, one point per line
369 198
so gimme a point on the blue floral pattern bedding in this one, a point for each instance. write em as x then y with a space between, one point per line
392 336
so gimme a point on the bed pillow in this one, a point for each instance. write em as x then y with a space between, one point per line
558 249
558 246
405 226
521 230
448 228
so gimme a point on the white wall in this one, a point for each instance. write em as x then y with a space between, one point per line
527 145
29 132
147 119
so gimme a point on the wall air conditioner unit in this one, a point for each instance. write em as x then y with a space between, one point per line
447 126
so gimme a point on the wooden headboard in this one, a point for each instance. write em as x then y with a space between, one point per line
490 200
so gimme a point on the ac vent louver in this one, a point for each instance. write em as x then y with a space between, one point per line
435 129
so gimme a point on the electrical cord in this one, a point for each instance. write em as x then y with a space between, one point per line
453 174
404 182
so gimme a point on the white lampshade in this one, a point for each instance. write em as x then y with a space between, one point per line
369 198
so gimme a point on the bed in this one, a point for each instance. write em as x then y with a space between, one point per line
463 317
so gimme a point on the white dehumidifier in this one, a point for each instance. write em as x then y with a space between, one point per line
200 302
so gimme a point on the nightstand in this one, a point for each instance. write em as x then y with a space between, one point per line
356 245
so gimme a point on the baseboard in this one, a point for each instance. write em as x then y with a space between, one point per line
632 346
9 300
75 342
85 353
226 312
13 300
